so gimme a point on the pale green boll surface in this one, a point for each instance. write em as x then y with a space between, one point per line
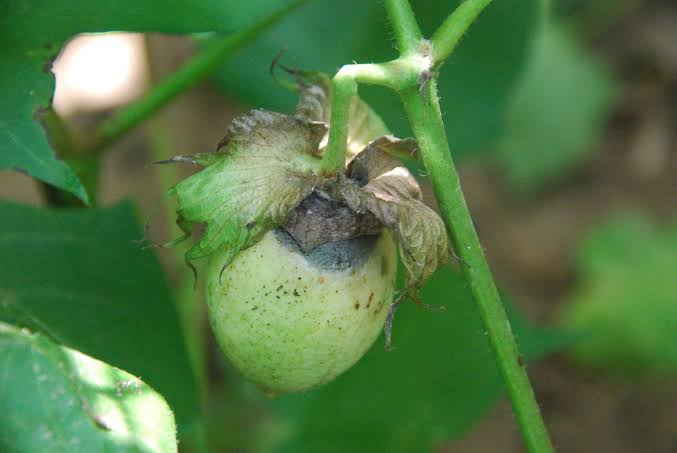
288 325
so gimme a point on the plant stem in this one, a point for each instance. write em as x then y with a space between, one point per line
403 21
196 69
450 32
423 111
426 122
343 88
395 74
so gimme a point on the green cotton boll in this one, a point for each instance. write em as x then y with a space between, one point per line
290 321
303 259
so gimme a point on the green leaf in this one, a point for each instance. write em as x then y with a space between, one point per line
33 31
625 302
81 278
325 35
557 113
58 400
438 380
25 89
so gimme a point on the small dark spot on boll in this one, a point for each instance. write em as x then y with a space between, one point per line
255 307
279 288
296 293
357 306
379 308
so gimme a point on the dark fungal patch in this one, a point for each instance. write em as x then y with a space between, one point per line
319 219
334 255
329 234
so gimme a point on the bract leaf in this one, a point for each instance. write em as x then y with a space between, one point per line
380 184
265 166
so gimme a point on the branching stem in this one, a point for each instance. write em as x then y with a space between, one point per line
422 107
446 37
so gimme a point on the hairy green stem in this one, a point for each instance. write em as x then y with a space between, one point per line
404 24
426 122
343 88
446 37
195 70
422 106
396 74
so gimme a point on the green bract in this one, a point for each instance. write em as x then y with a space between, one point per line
264 167
302 270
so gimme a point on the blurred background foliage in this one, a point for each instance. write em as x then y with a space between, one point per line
565 130
624 264
474 83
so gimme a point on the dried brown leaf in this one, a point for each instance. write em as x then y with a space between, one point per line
380 184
